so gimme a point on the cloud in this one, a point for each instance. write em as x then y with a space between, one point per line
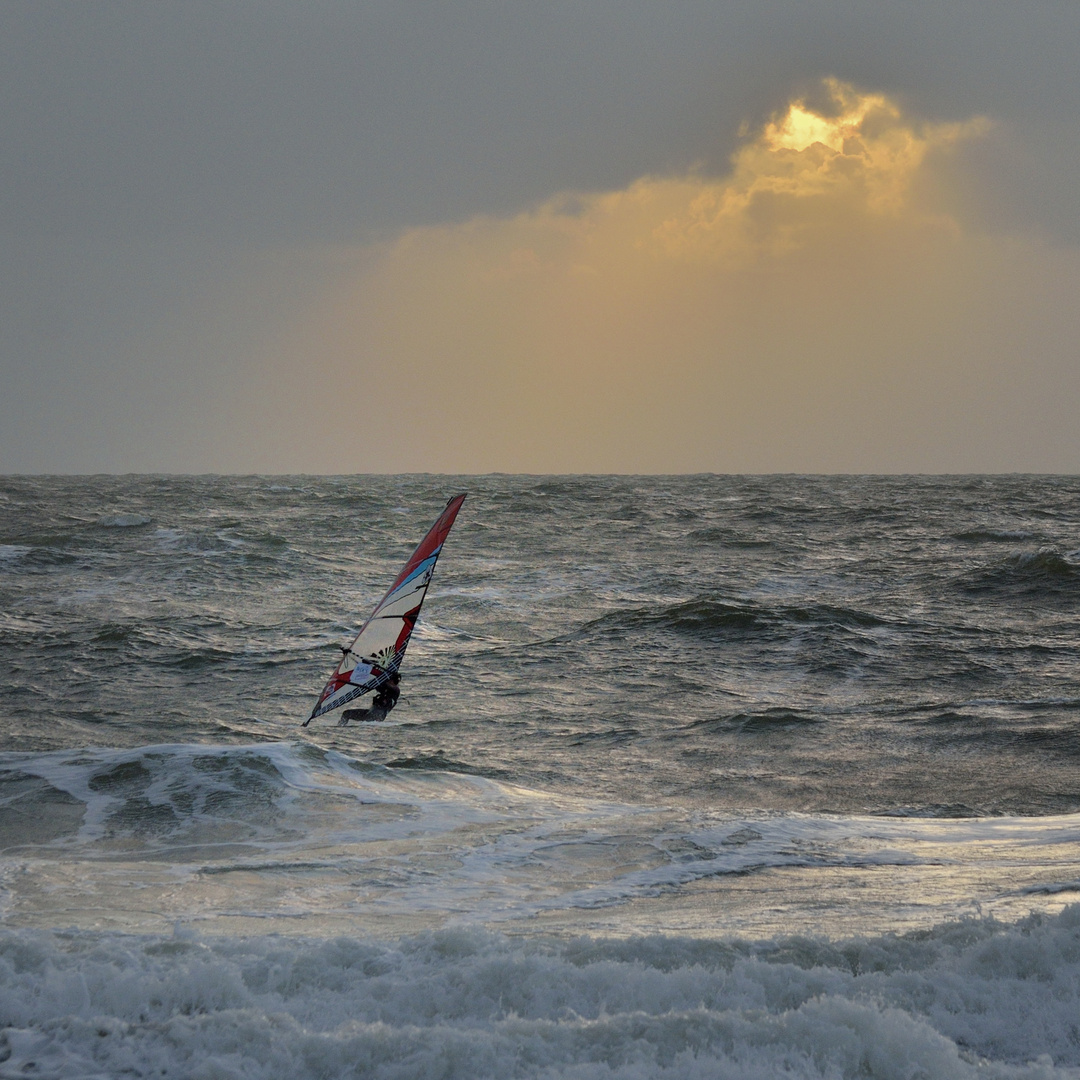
806 172
811 310
811 170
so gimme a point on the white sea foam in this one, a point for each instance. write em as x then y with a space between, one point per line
197 542
225 835
123 521
967 1000
168 538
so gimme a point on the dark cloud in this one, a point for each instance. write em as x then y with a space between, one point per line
273 122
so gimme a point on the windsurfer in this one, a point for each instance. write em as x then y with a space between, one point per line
378 649
385 700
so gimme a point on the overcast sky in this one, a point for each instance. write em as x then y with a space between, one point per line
634 236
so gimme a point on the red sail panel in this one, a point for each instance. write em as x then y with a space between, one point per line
432 543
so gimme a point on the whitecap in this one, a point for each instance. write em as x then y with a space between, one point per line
123 521
963 1001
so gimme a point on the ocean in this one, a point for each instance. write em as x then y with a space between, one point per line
691 777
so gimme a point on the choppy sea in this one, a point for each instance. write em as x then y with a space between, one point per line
702 776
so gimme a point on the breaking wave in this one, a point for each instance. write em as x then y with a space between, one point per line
123 521
1046 572
1042 564
992 536
970 999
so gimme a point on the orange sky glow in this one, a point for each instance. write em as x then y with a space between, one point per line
817 308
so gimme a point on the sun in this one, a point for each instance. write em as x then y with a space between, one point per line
800 127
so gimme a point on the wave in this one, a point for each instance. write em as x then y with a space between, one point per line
1045 563
968 999
993 536
36 557
1046 571
123 521
266 797
103 829
934 810
1052 888
710 619
777 717
728 537
441 763
188 646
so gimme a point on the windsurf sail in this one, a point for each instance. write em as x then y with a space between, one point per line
377 651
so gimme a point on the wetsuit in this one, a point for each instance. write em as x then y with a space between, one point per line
385 700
